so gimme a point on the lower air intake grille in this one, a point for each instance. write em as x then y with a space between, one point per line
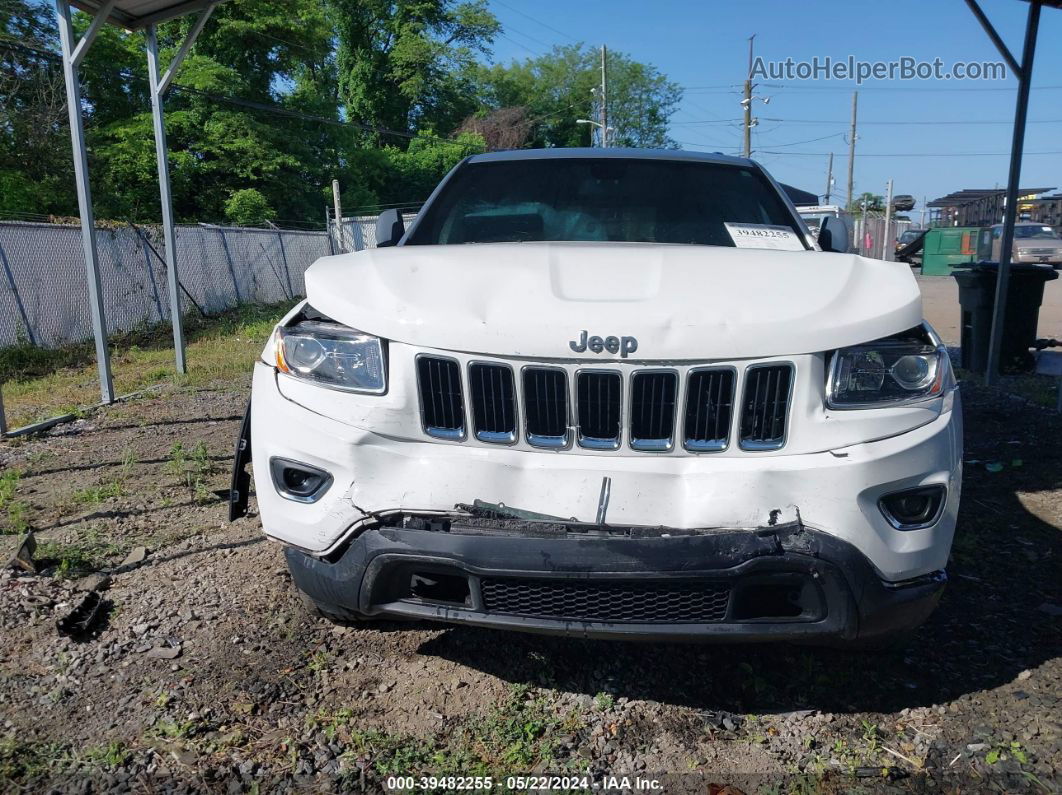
546 406
633 602
598 396
765 406
493 398
440 397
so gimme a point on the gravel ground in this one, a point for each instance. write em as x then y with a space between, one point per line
208 673
940 302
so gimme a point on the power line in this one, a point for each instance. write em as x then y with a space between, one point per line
809 87
520 44
909 122
708 121
810 140
916 154
538 21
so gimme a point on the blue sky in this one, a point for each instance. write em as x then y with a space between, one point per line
703 47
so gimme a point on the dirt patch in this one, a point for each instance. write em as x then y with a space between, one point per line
208 672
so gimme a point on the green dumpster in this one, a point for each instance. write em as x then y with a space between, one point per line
948 246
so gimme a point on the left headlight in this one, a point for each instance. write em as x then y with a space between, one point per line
888 372
331 355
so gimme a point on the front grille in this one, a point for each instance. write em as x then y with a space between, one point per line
709 407
652 412
546 406
493 398
765 406
598 407
599 404
601 601
442 408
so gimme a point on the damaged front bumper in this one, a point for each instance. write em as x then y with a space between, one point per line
771 583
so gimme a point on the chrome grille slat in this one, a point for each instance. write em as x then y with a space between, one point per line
652 411
492 395
598 409
709 409
441 402
765 406
545 391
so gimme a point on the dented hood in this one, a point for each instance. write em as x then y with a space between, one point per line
679 302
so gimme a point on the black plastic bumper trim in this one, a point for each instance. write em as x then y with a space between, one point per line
370 575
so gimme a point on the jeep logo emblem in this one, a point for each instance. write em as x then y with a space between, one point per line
621 345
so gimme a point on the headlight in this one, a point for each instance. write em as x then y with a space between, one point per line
331 355
887 373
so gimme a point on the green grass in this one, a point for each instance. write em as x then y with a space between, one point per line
517 734
39 383
22 761
193 469
88 551
113 754
13 511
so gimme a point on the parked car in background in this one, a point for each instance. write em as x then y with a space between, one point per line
1033 242
611 393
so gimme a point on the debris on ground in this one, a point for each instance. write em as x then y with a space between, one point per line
209 674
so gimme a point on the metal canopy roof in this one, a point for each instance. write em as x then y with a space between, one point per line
137 14
969 195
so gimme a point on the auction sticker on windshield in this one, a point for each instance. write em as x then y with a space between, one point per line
780 238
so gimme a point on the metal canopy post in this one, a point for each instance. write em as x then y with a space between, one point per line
1024 74
72 55
159 84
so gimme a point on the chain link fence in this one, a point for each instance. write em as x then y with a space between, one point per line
359 232
870 234
43 293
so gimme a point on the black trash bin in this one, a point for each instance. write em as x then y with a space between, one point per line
977 294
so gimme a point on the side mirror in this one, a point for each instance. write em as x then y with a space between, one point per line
833 235
389 228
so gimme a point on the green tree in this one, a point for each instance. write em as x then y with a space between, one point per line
247 206
873 203
35 166
560 87
409 64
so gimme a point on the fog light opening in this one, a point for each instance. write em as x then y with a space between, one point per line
766 601
299 482
913 509
447 588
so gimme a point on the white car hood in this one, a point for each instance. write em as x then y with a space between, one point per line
680 302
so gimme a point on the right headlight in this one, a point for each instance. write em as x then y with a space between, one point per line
331 355
888 372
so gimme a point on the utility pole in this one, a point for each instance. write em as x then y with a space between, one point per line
829 180
339 215
851 146
604 96
747 102
888 220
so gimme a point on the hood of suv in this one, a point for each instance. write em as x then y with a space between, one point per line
677 302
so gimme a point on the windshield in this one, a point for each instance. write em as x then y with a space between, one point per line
598 199
1041 232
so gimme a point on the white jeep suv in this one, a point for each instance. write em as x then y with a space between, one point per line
610 393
